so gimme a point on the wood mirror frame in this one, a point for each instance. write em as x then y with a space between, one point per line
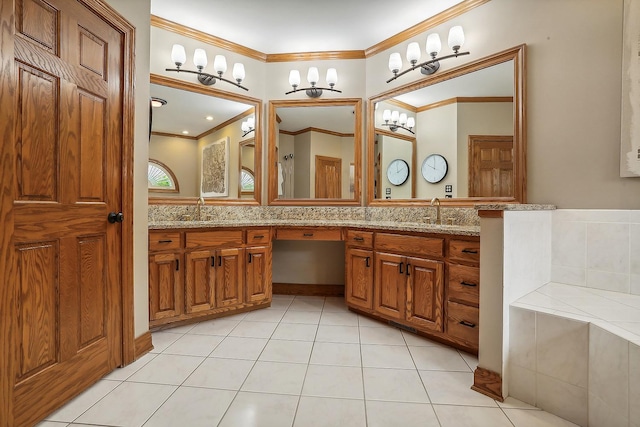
256 140
517 55
273 199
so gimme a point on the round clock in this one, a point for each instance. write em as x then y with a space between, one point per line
398 172
434 168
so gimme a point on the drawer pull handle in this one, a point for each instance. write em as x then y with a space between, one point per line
368 259
177 265
408 269
469 251
220 261
359 239
213 261
249 258
308 234
473 285
401 264
165 241
467 324
261 236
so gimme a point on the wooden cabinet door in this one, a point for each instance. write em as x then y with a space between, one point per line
258 274
425 293
200 281
165 286
229 277
389 285
359 280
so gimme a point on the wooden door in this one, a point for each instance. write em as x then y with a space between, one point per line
68 167
491 166
425 293
165 286
229 277
258 274
328 177
389 285
359 286
200 281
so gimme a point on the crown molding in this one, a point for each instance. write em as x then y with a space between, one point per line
464 99
315 56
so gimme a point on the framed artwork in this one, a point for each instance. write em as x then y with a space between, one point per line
630 126
214 175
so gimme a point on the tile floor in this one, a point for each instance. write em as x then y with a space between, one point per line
304 362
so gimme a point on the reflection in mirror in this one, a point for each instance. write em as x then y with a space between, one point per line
317 147
198 135
472 118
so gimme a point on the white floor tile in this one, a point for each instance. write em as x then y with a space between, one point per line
336 304
326 412
129 405
453 388
343 334
438 359
180 329
333 381
193 407
299 304
513 403
87 399
528 418
240 348
386 336
295 332
276 377
260 410
52 424
220 327
124 373
386 356
472 361
287 351
265 315
419 341
339 318
470 416
167 369
371 323
194 345
247 329
339 354
226 374
162 340
386 414
398 385
308 317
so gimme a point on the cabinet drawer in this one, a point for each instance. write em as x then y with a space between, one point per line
464 250
464 284
258 236
308 234
214 238
462 322
160 241
359 238
415 245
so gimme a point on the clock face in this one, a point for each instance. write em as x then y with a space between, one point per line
398 172
434 168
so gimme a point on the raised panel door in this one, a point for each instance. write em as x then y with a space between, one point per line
359 283
425 293
200 281
258 274
165 286
389 285
229 282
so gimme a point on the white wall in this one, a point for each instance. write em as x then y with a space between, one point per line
180 155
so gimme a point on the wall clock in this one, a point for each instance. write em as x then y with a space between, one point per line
434 168
398 172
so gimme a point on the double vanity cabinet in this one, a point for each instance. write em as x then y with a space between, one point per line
426 282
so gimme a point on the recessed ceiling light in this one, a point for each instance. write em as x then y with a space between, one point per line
158 102
185 132
209 118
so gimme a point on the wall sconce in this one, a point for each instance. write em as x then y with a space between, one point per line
179 57
248 126
313 77
456 40
398 121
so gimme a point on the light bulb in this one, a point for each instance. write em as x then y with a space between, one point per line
294 78
403 119
251 121
413 52
395 116
178 55
200 58
244 126
332 77
313 76
220 64
238 72
456 38
386 115
395 62
411 122
433 44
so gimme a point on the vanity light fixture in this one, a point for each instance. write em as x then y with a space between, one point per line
158 102
398 121
248 126
179 57
313 76
456 40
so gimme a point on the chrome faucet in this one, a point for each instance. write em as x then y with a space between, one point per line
436 202
199 208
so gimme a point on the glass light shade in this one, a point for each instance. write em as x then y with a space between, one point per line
413 52
386 115
238 71
395 116
294 78
313 76
433 44
403 119
220 64
411 122
456 37
244 126
200 58
395 62
178 54
332 76
251 121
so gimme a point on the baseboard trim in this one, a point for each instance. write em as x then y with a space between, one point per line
143 345
488 383
308 290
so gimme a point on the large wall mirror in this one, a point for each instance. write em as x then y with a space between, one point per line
458 135
314 152
207 140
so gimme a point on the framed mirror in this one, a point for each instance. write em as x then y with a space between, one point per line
314 150
209 139
462 133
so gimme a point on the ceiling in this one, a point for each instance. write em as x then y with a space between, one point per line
287 26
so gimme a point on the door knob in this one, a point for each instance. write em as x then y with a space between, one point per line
115 217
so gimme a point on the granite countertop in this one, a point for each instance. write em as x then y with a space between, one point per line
514 207
464 230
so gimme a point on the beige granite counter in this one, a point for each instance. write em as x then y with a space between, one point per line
514 207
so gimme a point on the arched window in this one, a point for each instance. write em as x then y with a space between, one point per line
247 181
161 178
